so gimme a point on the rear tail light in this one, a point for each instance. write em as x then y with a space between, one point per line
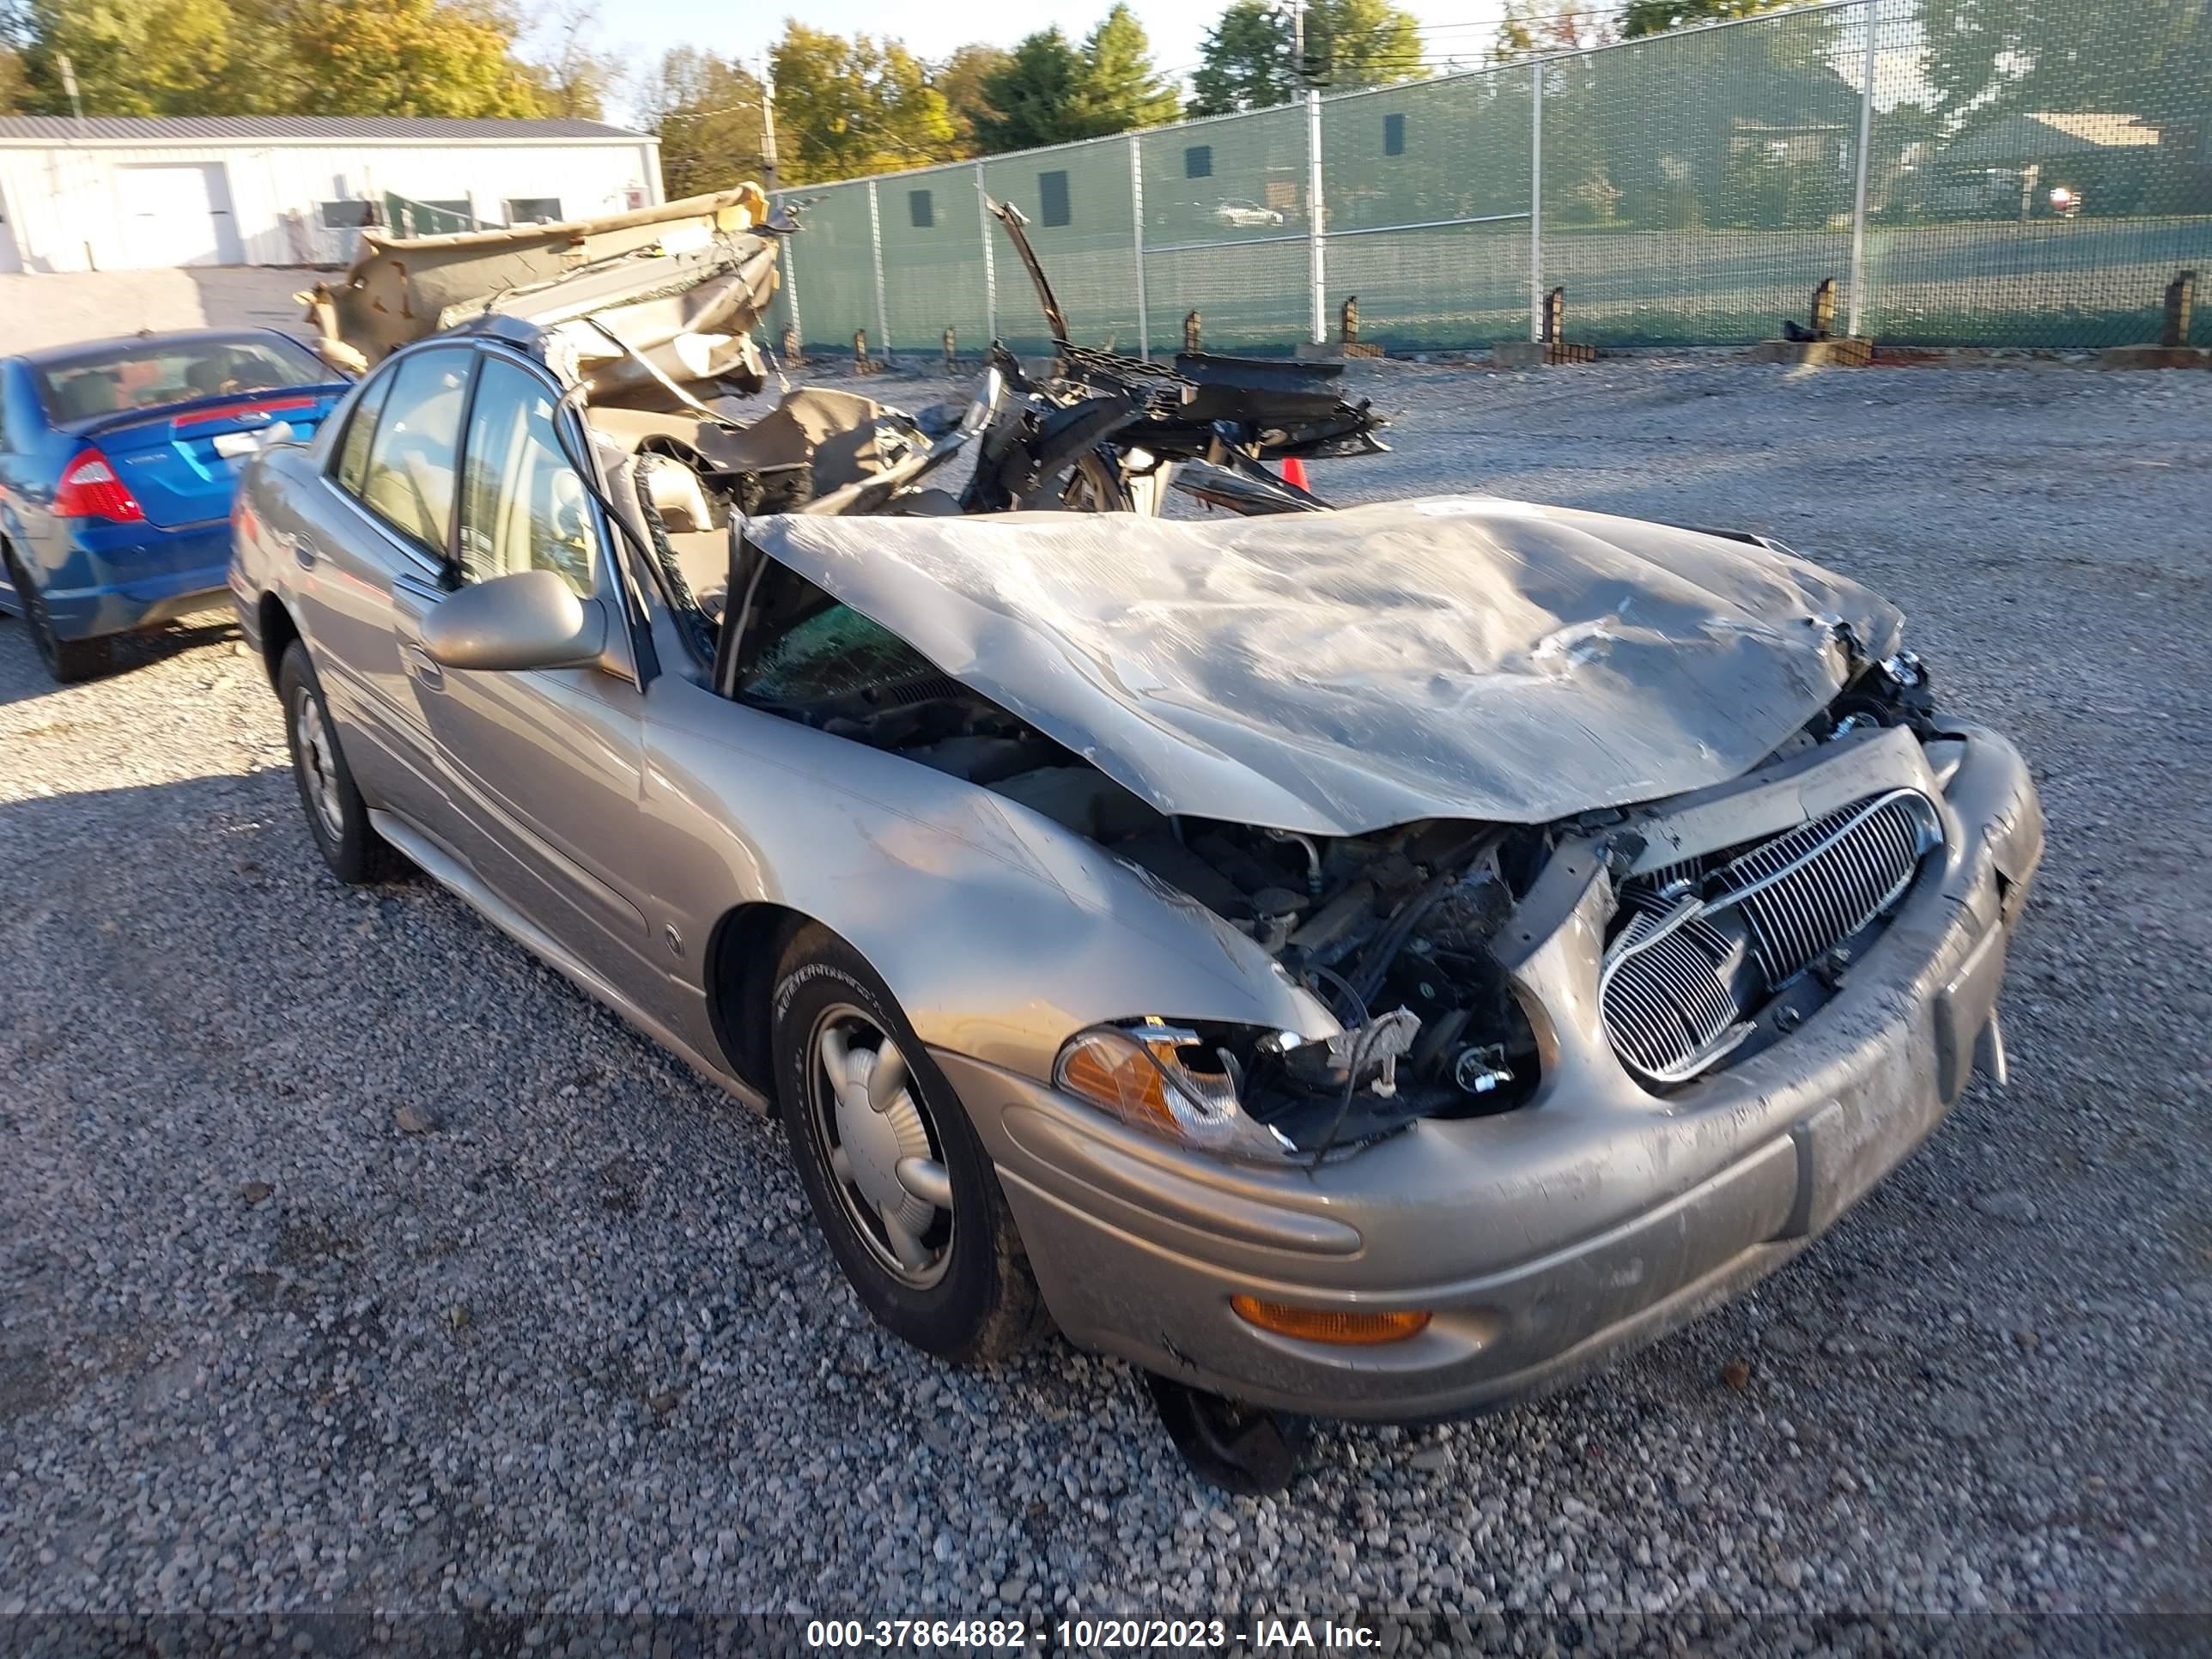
90 490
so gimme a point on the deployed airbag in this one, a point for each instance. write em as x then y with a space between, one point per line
1339 672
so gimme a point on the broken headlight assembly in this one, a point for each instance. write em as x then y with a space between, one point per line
1169 1081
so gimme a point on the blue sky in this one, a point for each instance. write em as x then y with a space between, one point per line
1177 27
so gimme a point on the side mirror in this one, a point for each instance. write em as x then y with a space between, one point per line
529 619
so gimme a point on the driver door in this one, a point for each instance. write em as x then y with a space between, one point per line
545 762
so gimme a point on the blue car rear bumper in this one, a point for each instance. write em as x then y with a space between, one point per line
112 584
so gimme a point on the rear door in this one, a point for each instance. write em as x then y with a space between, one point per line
373 559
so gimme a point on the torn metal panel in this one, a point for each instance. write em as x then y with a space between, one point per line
402 289
1339 673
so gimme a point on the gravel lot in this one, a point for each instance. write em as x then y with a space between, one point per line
571 1344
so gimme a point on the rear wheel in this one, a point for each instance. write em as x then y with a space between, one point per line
903 1191
66 660
337 818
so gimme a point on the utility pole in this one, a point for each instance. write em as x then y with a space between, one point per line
768 119
1300 71
68 86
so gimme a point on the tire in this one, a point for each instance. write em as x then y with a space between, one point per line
336 816
1095 485
959 1284
66 661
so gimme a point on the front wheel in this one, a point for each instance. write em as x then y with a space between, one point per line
902 1189
337 818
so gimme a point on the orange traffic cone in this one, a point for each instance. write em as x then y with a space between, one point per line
1294 472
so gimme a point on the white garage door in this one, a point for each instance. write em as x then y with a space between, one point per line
177 214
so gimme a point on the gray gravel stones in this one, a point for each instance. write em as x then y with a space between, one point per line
577 1351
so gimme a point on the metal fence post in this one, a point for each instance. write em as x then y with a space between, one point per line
876 240
1536 200
1317 254
1137 217
990 262
1859 183
789 245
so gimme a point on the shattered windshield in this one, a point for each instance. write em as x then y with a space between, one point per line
834 652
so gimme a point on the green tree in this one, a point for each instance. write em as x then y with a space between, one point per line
278 57
844 108
1644 17
1051 92
1246 59
14 82
706 111
1120 88
131 57
960 78
414 57
1244 63
1032 99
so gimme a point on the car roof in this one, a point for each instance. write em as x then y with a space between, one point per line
46 357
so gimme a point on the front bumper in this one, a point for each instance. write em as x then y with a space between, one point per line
1543 1240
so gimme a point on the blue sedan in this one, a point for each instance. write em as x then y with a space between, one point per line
118 461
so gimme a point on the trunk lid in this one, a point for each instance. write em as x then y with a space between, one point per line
181 462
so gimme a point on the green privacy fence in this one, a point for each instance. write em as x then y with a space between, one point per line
1979 173
407 217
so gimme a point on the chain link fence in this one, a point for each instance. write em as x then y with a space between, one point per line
1981 173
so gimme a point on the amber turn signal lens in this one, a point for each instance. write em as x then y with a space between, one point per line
1331 1325
1117 1075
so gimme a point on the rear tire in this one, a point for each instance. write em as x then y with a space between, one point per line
66 660
902 1188
337 818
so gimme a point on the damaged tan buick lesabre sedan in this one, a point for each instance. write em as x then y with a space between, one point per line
1369 963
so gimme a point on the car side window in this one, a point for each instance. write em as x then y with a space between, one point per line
524 506
360 427
409 479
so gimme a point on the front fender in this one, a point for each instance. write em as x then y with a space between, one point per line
1000 933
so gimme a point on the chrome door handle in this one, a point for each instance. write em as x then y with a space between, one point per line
421 665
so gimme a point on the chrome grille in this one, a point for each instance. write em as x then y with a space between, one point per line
1675 992
1668 1003
1805 892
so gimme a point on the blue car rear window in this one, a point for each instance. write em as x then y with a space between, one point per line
115 379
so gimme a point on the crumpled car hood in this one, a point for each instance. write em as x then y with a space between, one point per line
1341 672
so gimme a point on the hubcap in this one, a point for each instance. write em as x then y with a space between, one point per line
318 762
884 1152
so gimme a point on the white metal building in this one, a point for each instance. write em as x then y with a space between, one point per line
136 192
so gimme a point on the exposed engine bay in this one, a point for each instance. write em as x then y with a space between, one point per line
1709 959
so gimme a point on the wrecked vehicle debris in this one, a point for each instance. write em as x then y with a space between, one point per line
706 277
1223 416
1373 963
